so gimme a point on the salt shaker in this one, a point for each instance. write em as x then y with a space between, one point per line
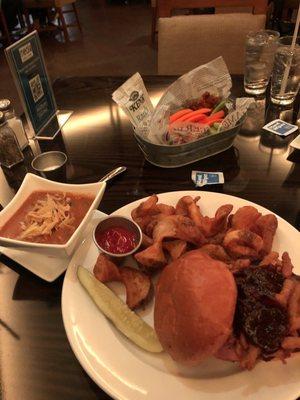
10 152
14 122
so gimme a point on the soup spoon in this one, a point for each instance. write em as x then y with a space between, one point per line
112 174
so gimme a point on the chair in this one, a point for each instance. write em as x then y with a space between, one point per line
165 8
289 7
3 27
60 11
154 19
184 42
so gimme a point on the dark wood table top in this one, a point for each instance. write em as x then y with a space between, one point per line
37 362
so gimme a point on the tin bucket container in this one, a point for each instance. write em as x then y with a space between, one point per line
175 156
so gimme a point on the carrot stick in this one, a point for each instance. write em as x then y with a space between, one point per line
201 111
180 119
179 114
204 110
196 118
219 114
198 114
213 121
212 118
215 117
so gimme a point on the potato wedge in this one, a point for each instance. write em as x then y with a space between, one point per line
137 285
105 270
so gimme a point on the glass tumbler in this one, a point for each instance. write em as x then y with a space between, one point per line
259 57
285 80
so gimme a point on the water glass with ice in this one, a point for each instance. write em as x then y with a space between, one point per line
285 81
259 58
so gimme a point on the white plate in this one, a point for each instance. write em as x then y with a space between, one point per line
46 267
126 372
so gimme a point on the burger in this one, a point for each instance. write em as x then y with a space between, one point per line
194 307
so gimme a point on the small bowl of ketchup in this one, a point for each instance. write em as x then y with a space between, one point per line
117 236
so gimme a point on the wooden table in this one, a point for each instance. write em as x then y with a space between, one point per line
37 362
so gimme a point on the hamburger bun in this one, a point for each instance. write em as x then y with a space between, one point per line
194 307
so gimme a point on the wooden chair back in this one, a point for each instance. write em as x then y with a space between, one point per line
289 6
185 42
4 28
58 5
46 3
166 7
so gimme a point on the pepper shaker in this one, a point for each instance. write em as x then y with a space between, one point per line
10 152
14 122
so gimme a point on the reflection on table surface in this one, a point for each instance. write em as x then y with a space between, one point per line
36 360
99 137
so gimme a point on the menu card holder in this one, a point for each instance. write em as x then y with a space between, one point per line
27 64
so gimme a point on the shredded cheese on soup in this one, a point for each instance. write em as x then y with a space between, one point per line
48 215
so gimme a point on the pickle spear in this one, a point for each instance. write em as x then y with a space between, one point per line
127 321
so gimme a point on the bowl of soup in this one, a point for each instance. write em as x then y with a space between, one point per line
48 217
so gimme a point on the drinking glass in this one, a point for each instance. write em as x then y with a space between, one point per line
259 58
285 80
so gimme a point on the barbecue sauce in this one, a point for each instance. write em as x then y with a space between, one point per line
263 321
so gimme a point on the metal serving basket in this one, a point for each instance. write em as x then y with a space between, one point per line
175 156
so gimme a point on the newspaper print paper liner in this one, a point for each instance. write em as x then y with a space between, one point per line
212 77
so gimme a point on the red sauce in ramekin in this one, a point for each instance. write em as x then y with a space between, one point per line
116 240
